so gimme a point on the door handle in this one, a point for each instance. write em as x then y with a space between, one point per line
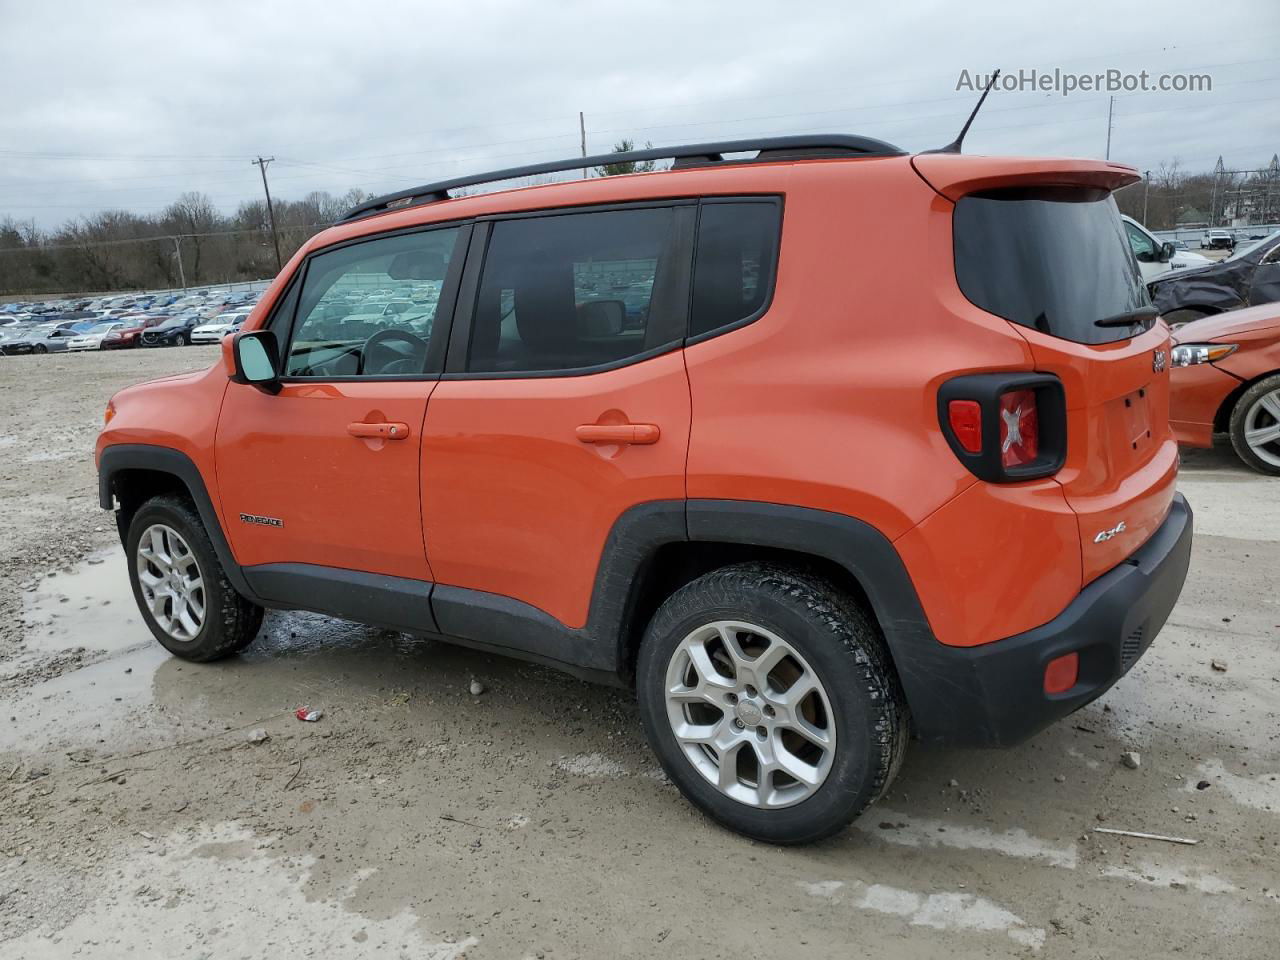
378 431
640 433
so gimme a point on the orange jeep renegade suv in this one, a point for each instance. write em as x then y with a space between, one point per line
817 446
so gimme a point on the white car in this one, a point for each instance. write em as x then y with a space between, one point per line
214 331
1156 258
92 338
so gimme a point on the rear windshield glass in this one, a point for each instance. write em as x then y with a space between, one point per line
1055 259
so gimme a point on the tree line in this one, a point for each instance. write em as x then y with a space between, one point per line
119 250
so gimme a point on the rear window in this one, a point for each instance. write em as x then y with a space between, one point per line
1055 259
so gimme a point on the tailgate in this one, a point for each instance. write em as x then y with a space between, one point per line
1122 460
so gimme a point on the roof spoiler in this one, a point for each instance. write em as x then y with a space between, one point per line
953 175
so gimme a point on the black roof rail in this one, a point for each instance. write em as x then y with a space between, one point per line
800 147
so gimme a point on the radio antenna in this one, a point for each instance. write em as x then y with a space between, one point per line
954 145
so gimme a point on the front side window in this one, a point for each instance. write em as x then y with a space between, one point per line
734 263
342 328
1143 247
578 290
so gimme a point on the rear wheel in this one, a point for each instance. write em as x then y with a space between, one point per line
1255 426
181 589
41 348
186 339
771 702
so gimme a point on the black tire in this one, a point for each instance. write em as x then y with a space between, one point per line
846 653
41 348
230 621
186 339
1239 414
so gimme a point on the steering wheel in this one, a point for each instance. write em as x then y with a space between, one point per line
396 360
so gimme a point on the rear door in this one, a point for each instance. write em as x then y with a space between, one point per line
1056 261
565 402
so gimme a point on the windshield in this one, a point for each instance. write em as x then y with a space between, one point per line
1053 258
1246 250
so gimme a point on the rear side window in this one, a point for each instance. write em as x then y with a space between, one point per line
579 290
735 262
1055 259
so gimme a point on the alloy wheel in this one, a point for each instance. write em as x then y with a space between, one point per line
750 714
1262 427
171 582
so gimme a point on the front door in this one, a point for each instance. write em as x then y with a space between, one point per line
325 472
565 403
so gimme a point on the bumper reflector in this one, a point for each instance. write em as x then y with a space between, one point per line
1061 673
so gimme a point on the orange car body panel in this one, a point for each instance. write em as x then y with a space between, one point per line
516 504
1201 392
343 501
827 401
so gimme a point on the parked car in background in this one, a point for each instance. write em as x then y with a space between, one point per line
1247 278
221 326
1156 257
1217 240
173 332
44 338
92 338
129 335
1226 380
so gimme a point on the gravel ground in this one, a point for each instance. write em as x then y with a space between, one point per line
154 808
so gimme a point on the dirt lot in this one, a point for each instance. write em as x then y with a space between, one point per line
139 818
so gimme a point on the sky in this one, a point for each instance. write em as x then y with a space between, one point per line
125 105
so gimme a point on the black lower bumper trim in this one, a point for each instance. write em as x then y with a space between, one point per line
993 695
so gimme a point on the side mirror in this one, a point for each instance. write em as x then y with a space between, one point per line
256 357
1167 251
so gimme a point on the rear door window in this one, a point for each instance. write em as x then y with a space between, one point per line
576 291
1054 259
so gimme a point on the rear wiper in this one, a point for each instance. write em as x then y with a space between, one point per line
1128 318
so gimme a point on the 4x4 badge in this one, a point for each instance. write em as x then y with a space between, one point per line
1158 360
1106 535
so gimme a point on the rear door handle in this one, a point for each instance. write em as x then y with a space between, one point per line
383 431
641 433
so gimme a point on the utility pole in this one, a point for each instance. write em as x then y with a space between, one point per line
261 164
582 133
1110 112
1146 194
177 252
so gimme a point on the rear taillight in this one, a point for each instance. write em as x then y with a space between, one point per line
1019 428
1005 426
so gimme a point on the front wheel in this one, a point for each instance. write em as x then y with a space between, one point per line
1255 426
771 702
182 591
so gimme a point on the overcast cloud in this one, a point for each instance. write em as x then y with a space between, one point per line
126 105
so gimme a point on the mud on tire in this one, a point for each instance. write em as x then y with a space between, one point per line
832 637
228 622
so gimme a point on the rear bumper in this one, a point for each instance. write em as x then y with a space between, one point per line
993 695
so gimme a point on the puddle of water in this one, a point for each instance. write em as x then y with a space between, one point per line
91 607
